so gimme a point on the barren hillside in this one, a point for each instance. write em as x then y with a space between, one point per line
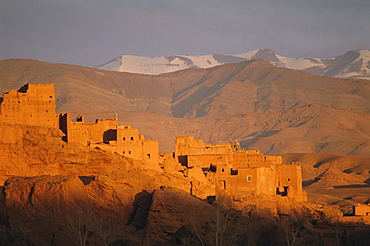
276 110
336 180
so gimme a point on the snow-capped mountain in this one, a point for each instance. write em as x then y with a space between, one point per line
353 64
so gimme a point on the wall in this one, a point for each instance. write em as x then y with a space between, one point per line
361 209
205 161
236 170
290 176
103 130
189 146
106 134
33 104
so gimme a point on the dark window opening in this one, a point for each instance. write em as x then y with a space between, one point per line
148 156
124 138
129 152
223 170
213 168
233 172
132 138
282 192
123 152
183 159
249 178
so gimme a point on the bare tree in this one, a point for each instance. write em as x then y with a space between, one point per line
105 230
81 222
292 227
221 227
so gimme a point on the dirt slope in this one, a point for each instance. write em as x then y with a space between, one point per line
273 109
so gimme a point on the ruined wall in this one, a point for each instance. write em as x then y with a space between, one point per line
107 135
33 104
236 170
244 180
290 176
206 161
190 146
129 142
253 158
361 210
103 130
150 152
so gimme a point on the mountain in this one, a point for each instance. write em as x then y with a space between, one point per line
273 109
353 64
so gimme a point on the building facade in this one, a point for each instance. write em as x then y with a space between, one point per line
33 104
106 134
240 171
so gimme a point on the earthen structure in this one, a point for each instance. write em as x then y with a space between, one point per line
225 167
33 104
106 134
361 210
240 171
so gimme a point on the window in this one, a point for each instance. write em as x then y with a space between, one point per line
249 178
124 138
123 152
223 170
262 178
129 152
148 156
132 138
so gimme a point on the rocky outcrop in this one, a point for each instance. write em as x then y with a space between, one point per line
47 209
72 210
170 210
33 151
67 210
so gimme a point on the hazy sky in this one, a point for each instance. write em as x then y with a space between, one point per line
90 32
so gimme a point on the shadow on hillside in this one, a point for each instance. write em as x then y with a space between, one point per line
310 182
141 206
351 186
350 170
255 136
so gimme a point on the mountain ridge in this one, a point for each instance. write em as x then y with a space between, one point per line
352 64
273 109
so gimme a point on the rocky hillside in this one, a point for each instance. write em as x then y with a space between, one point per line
353 64
336 180
56 193
273 109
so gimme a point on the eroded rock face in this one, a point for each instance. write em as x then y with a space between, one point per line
68 210
33 151
46 209
171 209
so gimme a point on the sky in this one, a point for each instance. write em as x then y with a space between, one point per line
92 32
